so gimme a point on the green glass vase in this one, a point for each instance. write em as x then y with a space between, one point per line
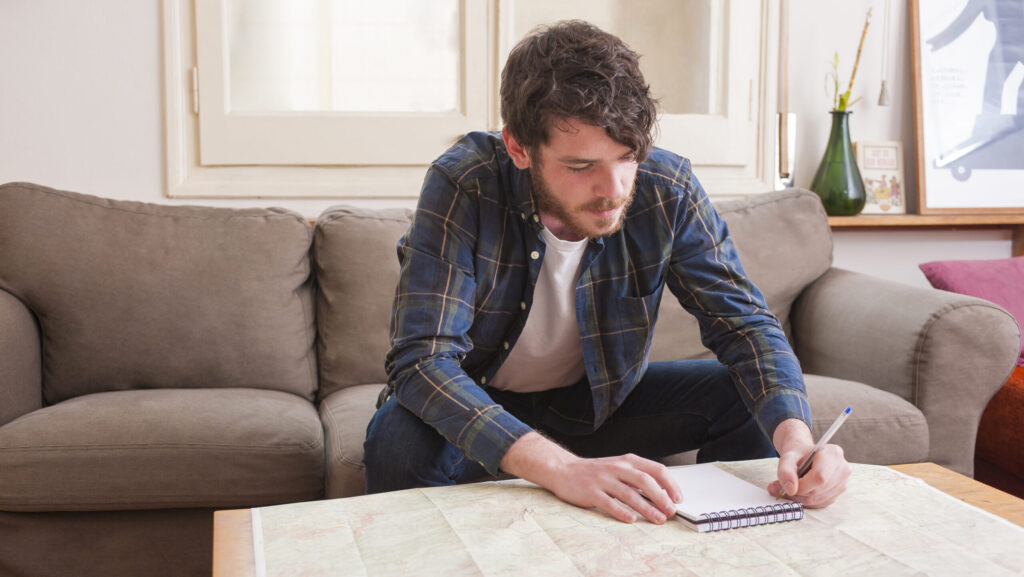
838 180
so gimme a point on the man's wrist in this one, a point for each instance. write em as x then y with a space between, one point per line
790 434
535 458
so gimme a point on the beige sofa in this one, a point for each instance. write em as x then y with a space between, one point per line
158 363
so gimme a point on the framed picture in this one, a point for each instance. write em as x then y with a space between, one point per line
881 168
968 58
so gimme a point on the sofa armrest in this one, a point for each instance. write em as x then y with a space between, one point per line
20 361
946 353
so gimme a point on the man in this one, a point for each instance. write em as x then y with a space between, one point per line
530 280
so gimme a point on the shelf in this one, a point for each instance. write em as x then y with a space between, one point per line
1013 222
910 221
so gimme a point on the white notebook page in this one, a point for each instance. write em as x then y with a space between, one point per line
708 489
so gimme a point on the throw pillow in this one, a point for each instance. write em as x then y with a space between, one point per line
1000 281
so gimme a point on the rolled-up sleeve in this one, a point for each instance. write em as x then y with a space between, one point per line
706 275
432 313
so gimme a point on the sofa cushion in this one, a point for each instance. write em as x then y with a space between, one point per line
168 448
131 295
995 280
883 428
345 415
784 243
357 272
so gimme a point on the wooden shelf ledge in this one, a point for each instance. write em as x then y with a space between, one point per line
1012 222
920 220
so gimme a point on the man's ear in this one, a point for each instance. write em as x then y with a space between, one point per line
519 155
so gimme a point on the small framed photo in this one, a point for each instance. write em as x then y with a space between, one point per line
968 58
881 167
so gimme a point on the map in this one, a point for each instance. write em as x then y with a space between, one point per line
885 524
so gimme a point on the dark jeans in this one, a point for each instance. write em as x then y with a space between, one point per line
677 406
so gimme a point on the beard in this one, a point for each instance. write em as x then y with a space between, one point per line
573 218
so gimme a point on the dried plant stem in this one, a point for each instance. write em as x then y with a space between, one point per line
856 62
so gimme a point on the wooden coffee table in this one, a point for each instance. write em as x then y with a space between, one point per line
232 530
968 490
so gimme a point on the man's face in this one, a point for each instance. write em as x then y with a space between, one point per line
583 181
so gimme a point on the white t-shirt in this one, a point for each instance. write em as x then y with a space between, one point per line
548 353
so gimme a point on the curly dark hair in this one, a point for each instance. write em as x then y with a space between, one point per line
573 69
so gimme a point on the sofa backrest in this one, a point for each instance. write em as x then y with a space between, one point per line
783 239
784 242
356 260
131 295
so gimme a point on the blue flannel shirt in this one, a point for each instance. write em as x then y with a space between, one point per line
469 266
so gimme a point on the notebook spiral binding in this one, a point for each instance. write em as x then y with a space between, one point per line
736 518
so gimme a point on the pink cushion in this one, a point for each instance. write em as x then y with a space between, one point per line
1000 281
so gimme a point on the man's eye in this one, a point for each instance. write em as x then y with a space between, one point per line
578 168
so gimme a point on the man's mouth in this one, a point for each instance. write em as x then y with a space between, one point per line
605 213
605 208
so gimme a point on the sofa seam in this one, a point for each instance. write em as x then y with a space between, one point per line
336 216
312 366
789 195
344 459
275 212
152 446
320 320
154 499
934 318
761 200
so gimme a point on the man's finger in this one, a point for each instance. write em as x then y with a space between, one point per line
662 477
651 489
616 509
830 479
789 484
631 497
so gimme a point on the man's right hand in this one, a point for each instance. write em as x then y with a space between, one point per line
611 484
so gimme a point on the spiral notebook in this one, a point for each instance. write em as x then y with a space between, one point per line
715 499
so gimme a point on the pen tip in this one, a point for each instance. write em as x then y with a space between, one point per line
848 409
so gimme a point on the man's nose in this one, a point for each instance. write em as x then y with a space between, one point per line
612 183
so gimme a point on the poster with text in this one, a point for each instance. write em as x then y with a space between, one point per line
969 56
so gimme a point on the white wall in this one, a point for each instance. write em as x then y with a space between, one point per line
818 28
81 109
80 96
81 100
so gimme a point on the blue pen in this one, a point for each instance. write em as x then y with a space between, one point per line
805 465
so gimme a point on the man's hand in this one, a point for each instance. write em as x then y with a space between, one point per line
829 472
611 484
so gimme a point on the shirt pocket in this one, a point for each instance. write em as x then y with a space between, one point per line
627 338
635 325
641 310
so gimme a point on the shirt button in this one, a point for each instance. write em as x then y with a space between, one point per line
522 305
534 255
505 344
483 380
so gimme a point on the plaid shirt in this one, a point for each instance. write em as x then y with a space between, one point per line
469 266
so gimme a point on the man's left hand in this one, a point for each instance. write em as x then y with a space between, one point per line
829 472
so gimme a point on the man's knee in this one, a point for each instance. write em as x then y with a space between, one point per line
721 375
402 452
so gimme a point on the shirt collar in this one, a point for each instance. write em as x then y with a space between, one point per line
521 198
